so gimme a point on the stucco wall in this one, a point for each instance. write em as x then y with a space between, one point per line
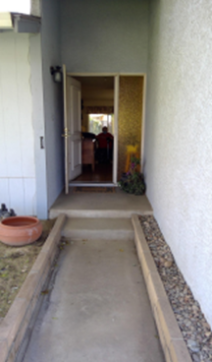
17 163
104 36
52 97
178 146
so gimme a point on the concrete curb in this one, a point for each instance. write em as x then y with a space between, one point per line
15 325
174 347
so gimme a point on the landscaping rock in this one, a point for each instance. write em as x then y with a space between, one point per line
192 323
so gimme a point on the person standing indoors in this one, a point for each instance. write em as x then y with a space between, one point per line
105 145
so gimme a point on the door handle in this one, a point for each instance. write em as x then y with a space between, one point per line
66 133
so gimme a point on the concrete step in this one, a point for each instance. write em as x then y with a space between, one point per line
100 228
110 213
100 205
101 214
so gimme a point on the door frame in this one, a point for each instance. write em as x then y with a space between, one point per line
116 110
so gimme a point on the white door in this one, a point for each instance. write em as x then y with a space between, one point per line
72 128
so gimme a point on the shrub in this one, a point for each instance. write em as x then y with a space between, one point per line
133 181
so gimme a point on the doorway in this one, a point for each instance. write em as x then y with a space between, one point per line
88 110
97 112
99 105
97 162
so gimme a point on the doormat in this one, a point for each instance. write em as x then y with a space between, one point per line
95 189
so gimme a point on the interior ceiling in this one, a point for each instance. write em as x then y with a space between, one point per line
99 82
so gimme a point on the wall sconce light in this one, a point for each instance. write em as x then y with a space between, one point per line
56 73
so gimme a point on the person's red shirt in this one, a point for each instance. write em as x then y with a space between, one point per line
103 139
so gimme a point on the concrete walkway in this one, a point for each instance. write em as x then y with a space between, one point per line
98 309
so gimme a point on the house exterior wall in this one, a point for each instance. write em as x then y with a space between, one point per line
38 125
104 36
17 159
35 7
178 147
52 100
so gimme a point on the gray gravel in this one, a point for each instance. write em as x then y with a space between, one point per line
193 325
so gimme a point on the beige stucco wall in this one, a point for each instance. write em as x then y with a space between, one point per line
178 139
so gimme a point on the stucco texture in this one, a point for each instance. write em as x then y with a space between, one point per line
178 146
104 36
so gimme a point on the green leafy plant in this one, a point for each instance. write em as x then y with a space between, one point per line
133 181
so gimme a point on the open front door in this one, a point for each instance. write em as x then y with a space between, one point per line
72 128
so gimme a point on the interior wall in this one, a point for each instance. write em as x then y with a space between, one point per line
178 148
17 164
52 98
129 117
94 96
104 36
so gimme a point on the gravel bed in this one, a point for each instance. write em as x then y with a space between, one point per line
193 325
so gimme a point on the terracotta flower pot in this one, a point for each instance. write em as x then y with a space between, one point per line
20 230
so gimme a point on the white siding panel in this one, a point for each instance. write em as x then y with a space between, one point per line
18 194
17 166
25 108
10 105
16 191
4 192
3 153
29 196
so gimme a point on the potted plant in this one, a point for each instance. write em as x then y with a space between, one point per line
133 181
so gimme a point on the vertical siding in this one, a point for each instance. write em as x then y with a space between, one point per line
17 169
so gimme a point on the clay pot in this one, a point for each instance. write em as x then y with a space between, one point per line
20 230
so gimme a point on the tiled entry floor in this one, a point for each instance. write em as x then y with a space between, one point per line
102 173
